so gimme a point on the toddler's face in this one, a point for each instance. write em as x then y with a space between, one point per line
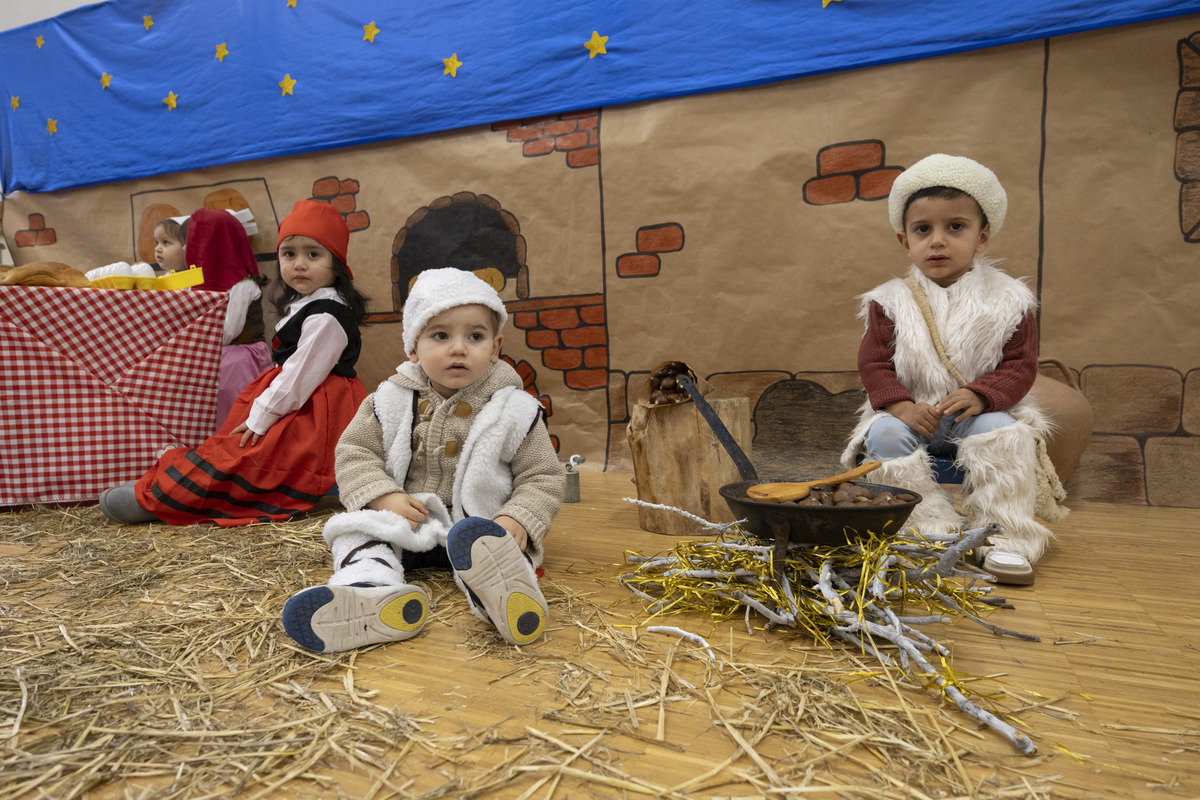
943 236
305 264
168 252
457 347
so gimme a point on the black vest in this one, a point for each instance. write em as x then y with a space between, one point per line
288 337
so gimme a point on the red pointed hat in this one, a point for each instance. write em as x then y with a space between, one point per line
321 222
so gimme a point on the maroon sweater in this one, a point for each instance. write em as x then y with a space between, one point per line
1001 389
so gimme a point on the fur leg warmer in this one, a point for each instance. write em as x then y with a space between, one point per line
1001 487
355 560
935 514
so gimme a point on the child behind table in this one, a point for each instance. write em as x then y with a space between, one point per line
448 464
218 244
170 238
273 458
945 210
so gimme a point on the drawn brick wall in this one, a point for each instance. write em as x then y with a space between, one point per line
576 133
850 171
650 241
571 335
342 194
1187 139
36 235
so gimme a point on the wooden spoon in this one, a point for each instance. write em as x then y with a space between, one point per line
784 492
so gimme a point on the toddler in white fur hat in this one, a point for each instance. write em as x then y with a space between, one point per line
949 356
447 465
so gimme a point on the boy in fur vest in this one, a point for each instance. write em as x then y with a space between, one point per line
448 464
971 392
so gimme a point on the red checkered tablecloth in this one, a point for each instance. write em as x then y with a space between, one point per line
94 382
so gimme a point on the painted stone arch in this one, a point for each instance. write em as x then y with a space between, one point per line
231 199
464 230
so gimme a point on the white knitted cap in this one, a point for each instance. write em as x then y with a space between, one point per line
957 172
438 290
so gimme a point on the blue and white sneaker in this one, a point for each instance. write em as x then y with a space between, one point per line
331 619
499 579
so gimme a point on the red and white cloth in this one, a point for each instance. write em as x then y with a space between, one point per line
94 382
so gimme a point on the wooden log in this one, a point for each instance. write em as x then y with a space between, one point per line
677 461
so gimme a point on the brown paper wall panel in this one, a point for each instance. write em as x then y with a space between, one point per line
1171 464
1134 399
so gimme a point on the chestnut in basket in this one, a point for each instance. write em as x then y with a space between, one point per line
850 494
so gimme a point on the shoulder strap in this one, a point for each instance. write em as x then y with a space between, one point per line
923 303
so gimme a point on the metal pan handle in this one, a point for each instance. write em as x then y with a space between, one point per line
719 430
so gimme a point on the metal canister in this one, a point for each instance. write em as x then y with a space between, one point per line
571 493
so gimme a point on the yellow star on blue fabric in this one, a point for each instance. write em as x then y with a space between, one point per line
41 40
287 84
171 100
452 64
595 45
825 3
105 80
52 126
291 3
222 51
15 102
369 32
147 21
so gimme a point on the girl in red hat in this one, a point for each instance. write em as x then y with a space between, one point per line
272 459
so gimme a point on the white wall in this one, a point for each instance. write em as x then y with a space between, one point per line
15 13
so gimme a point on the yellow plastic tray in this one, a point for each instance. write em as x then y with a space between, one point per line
124 282
183 279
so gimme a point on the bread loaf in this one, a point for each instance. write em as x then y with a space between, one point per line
43 273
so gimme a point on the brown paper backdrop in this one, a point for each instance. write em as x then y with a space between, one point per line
734 230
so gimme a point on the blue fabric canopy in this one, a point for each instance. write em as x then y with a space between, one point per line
126 89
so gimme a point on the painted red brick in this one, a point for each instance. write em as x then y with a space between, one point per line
638 265
559 127
587 112
595 357
823 191
571 141
348 187
547 404
326 187
660 238
585 337
538 147
526 372
587 157
46 237
25 238
592 315
559 318
589 122
344 203
877 182
586 378
850 158
540 340
594 137
561 359
37 222
506 125
525 133
358 221
525 319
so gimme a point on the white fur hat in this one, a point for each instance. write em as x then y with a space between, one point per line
956 172
438 290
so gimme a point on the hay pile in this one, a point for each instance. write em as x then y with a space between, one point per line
149 662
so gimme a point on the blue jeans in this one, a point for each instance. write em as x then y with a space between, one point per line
891 438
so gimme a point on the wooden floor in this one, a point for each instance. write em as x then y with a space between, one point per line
601 707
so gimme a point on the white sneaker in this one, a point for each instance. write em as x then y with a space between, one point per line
331 619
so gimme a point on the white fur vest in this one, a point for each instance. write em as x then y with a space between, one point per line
482 479
975 316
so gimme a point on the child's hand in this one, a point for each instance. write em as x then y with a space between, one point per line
921 417
247 435
408 507
960 400
515 530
